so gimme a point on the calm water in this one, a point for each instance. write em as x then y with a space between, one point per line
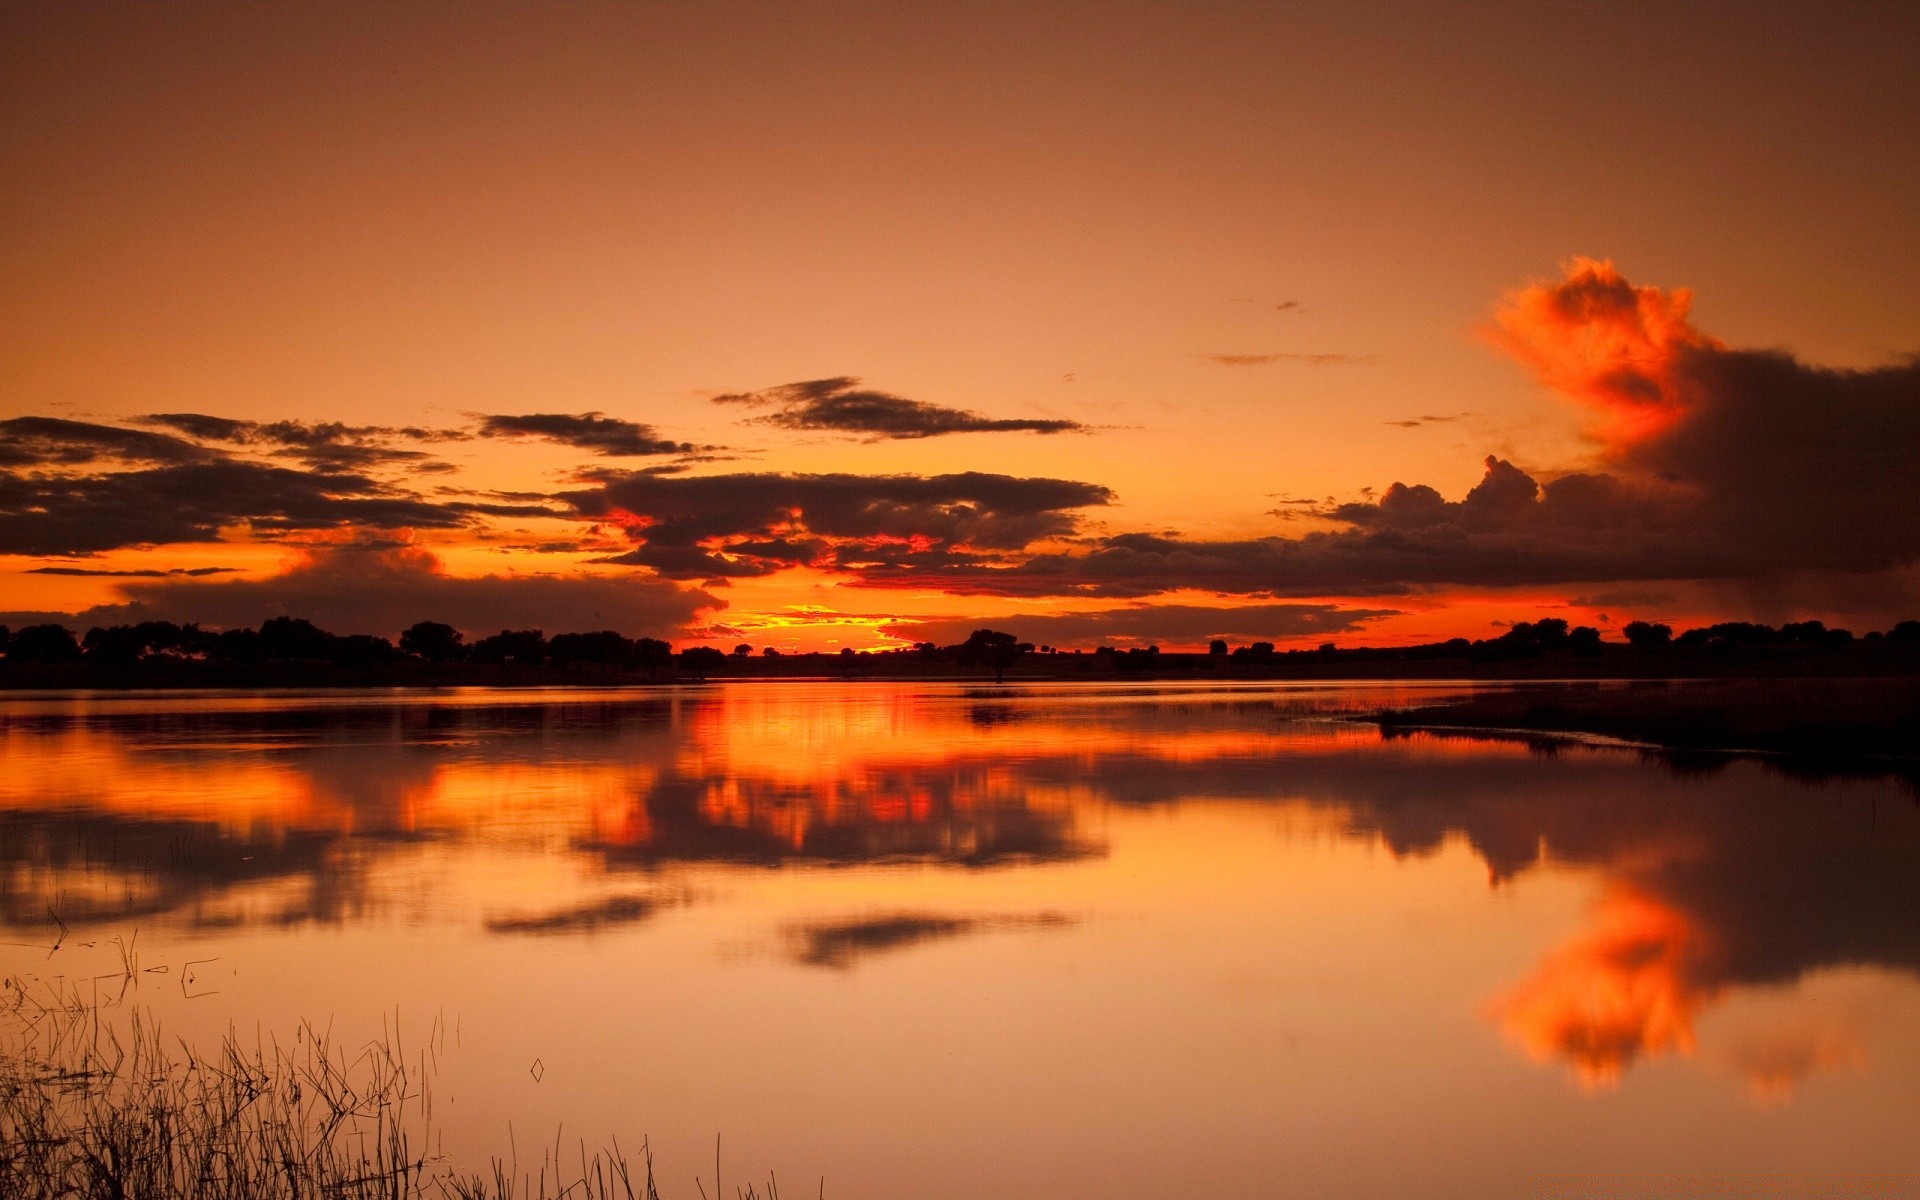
939 941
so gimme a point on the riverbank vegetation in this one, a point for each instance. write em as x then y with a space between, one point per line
289 652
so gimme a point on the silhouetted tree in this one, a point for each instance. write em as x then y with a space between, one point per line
1644 636
1906 633
521 647
363 650
651 654
769 652
236 646
1584 641
992 649
603 648
1217 648
434 641
698 660
115 645
293 638
742 650
43 644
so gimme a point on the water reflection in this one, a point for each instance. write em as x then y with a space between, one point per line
223 812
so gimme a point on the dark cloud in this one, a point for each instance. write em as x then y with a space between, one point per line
1312 360
51 514
841 405
593 431
1180 624
322 445
765 521
56 442
384 590
190 572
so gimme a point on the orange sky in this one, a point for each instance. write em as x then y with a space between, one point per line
1255 252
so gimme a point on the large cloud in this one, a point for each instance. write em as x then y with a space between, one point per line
1713 464
841 405
382 591
752 523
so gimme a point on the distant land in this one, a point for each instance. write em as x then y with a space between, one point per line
288 652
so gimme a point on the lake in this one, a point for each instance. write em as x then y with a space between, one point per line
943 940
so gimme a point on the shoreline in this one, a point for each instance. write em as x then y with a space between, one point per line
1868 722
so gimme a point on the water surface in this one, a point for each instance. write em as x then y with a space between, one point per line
946 941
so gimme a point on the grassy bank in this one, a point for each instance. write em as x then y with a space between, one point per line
1808 717
95 1105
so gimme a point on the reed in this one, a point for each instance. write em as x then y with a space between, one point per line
98 1105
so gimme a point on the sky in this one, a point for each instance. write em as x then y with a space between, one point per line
855 325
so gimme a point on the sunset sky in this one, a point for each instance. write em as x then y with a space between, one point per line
852 325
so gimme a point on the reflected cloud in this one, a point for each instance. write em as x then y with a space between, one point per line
1628 987
596 915
840 944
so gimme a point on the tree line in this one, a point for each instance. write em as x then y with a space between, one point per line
295 640
285 640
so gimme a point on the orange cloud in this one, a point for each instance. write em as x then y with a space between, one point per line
1627 988
1607 344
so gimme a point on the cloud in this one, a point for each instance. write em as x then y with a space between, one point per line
1176 623
592 431
1509 530
1417 422
55 441
88 572
322 445
766 521
841 405
52 514
385 589
1312 360
1607 344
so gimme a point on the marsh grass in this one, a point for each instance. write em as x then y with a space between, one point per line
96 1103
